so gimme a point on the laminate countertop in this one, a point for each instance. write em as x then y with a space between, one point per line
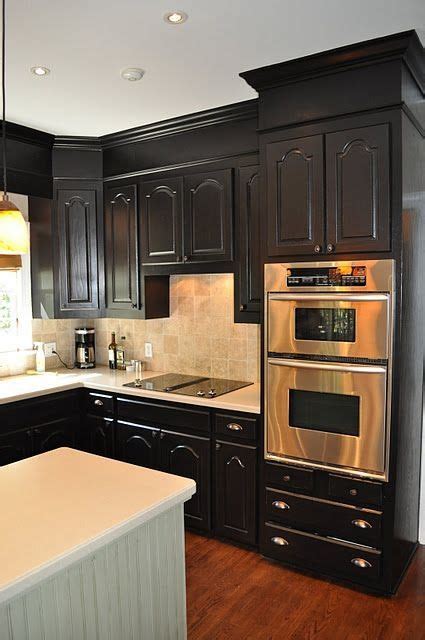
23 387
48 525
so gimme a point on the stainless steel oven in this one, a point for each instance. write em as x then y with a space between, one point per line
328 345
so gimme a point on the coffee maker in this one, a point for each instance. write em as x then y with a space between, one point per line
84 348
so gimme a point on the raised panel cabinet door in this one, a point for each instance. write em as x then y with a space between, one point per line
15 446
358 189
137 444
55 434
208 216
189 456
161 220
294 183
235 482
101 435
121 245
78 276
248 238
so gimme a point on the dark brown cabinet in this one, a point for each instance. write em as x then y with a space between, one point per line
189 456
235 491
76 233
161 220
100 433
358 190
248 287
208 219
55 434
350 170
15 446
121 249
138 444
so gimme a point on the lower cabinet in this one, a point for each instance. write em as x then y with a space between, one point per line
15 446
235 491
137 444
100 435
55 434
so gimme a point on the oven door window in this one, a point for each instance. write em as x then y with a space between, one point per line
329 412
329 325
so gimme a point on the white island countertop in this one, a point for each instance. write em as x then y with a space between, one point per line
60 506
23 387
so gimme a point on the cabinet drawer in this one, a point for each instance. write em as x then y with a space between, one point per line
324 517
289 477
99 404
237 427
158 414
356 491
32 412
315 552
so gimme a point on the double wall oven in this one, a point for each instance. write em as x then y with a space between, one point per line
328 340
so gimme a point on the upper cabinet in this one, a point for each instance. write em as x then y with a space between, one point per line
350 168
161 220
121 246
76 234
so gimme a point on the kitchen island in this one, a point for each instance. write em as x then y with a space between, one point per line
91 548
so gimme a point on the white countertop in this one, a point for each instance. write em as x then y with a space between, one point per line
47 525
103 379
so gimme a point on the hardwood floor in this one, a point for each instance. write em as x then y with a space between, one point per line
235 594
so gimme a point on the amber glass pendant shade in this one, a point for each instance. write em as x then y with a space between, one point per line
13 229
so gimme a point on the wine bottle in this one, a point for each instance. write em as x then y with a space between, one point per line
112 352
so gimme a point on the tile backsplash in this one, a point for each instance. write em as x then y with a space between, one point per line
199 337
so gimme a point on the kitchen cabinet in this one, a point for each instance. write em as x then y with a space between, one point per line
138 444
189 456
15 446
121 249
235 491
77 235
248 284
208 216
100 435
161 220
58 433
349 170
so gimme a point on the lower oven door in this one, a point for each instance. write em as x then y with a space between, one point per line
327 415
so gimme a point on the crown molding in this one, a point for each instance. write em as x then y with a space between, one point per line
21 133
86 143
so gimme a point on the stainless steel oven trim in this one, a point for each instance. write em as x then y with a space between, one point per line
389 288
327 366
349 297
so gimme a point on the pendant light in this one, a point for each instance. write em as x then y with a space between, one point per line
13 228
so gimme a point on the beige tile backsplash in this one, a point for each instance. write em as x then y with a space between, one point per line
199 337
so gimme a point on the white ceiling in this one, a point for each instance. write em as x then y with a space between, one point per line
190 67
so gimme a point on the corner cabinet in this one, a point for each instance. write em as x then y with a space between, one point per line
77 233
329 193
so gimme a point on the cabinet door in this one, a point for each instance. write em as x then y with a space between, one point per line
208 216
137 444
235 473
249 287
357 190
15 446
161 220
101 435
122 280
77 257
295 196
189 456
58 433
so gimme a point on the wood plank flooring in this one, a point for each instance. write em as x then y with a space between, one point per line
235 594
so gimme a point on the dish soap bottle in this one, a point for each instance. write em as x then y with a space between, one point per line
121 355
112 352
40 358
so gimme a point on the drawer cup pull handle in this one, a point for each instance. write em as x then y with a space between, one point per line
353 492
279 504
361 563
362 524
286 478
234 426
98 403
281 542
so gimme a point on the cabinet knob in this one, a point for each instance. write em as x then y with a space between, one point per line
185 258
37 432
234 426
178 258
280 504
242 307
154 434
353 492
98 402
217 446
330 247
162 435
362 524
281 542
361 563
317 248
134 305
286 478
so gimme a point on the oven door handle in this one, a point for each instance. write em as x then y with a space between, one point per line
326 366
337 297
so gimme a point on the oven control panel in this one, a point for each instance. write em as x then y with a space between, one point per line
343 276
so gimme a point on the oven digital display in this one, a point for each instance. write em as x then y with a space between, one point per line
329 412
342 276
326 325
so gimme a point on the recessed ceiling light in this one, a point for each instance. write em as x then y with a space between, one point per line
175 17
132 74
40 71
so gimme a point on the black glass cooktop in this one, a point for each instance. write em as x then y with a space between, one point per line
189 385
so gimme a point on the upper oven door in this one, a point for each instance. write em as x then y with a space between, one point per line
341 325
